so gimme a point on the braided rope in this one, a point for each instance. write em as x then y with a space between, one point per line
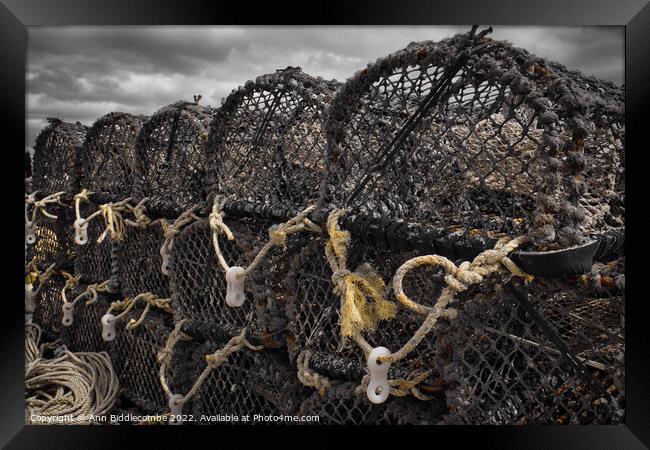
214 360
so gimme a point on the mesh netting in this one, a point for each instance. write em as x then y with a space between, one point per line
134 352
56 152
249 382
48 312
199 287
28 164
314 313
85 333
93 262
553 353
170 159
267 141
107 160
495 142
54 238
343 404
137 262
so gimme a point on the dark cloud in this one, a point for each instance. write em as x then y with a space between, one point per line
81 73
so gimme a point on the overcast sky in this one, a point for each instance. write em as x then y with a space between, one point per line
82 73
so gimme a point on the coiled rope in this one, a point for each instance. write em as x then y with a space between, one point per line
78 386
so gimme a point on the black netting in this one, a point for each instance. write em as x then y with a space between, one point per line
198 281
170 159
497 141
551 352
343 404
249 382
93 262
267 141
28 164
85 333
314 312
137 262
54 238
56 157
107 159
134 353
48 312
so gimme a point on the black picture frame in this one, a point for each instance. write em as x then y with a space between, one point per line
16 16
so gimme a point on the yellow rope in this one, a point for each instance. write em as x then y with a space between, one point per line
128 304
39 205
113 219
363 302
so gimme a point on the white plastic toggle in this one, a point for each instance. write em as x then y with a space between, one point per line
68 314
164 253
176 403
235 278
81 231
30 303
108 327
378 387
30 234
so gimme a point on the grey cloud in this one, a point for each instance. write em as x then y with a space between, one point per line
81 73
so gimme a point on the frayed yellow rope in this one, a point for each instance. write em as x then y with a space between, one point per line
363 292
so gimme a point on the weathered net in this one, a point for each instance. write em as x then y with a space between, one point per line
54 238
495 141
314 315
134 354
267 141
48 313
94 260
248 383
107 161
343 404
55 165
170 159
85 333
198 282
137 262
553 353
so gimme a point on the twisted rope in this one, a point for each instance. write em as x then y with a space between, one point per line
139 213
113 219
127 305
213 360
309 377
458 279
277 234
39 205
171 230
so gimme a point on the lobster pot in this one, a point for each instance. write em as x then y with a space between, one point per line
85 333
170 159
137 262
134 355
48 312
55 164
314 315
555 358
107 157
267 140
477 144
28 172
345 404
54 242
248 383
198 283
94 262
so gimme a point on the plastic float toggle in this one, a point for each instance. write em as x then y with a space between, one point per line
81 231
108 327
68 314
378 387
30 234
235 278
176 403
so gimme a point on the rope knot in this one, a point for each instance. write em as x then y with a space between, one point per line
278 236
338 279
